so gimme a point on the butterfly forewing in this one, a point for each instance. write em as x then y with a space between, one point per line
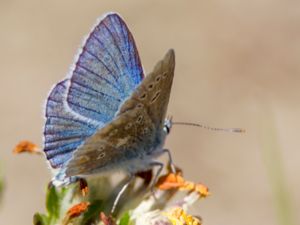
154 92
107 71
137 129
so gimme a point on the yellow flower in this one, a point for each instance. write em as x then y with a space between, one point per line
178 216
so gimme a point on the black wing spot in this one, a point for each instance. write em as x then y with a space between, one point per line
158 79
155 97
139 106
139 119
145 130
150 86
143 96
101 155
128 126
101 148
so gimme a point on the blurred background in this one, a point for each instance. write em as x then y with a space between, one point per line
237 65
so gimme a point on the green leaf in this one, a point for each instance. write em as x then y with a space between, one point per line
125 219
53 202
40 219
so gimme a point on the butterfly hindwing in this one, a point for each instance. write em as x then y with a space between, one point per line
63 131
107 71
125 138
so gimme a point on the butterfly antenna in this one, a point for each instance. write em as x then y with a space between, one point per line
234 130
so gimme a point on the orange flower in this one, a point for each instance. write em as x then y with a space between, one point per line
78 209
26 146
171 181
202 190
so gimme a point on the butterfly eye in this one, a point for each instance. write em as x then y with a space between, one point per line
166 129
101 155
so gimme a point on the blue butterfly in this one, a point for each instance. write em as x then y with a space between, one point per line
105 115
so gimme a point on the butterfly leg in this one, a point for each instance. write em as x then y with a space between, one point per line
121 192
161 166
173 169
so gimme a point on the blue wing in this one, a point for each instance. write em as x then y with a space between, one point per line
107 71
63 131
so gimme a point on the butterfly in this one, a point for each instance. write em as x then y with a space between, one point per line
106 115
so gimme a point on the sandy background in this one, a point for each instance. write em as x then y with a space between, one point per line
238 65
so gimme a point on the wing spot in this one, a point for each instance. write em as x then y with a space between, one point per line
155 97
100 149
84 159
164 74
113 132
143 96
158 79
139 106
101 155
150 86
139 119
128 126
145 130
131 142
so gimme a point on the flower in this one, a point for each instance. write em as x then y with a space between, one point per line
178 216
78 209
171 181
26 146
136 207
89 201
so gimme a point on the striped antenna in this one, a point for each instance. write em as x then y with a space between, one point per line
234 130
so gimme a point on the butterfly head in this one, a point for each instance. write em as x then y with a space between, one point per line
168 125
